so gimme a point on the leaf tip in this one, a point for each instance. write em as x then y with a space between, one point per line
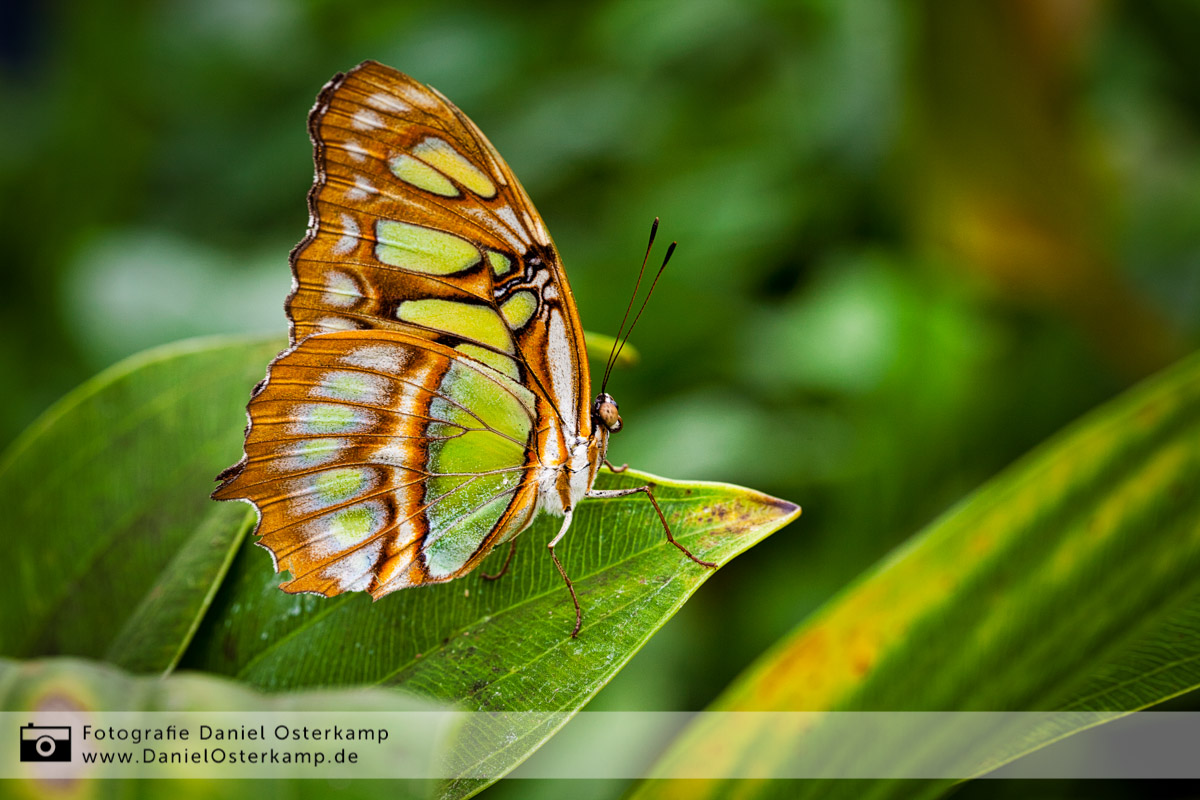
787 508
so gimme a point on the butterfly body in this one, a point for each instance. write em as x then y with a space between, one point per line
436 396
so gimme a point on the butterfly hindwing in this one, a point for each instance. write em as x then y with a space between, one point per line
380 460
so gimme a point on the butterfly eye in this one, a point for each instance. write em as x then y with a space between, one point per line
606 409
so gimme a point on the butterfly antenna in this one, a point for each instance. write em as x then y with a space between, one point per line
657 275
612 354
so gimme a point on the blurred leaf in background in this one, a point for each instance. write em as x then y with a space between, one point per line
75 689
915 238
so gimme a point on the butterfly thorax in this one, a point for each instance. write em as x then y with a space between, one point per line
564 484
569 470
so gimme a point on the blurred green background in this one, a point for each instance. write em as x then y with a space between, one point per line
915 238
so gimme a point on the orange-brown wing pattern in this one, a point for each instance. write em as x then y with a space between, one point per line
436 387
417 224
380 460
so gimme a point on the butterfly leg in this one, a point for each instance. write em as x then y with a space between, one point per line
602 493
512 549
563 572
611 468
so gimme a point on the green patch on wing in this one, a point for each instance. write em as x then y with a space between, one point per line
476 455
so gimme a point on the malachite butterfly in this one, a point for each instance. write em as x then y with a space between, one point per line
435 397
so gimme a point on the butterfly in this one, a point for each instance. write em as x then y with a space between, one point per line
435 397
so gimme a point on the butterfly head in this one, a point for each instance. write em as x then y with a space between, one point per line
606 410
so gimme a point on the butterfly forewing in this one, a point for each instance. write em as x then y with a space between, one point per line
418 224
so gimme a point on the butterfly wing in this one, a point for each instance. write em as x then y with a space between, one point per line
437 367
380 460
417 223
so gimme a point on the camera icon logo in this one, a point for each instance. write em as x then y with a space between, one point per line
45 743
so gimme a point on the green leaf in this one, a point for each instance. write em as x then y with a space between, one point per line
116 548
495 645
599 346
120 471
1071 581
73 684
153 636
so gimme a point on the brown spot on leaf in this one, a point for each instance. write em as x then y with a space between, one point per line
785 507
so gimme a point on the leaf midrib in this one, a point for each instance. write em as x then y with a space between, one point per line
570 712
